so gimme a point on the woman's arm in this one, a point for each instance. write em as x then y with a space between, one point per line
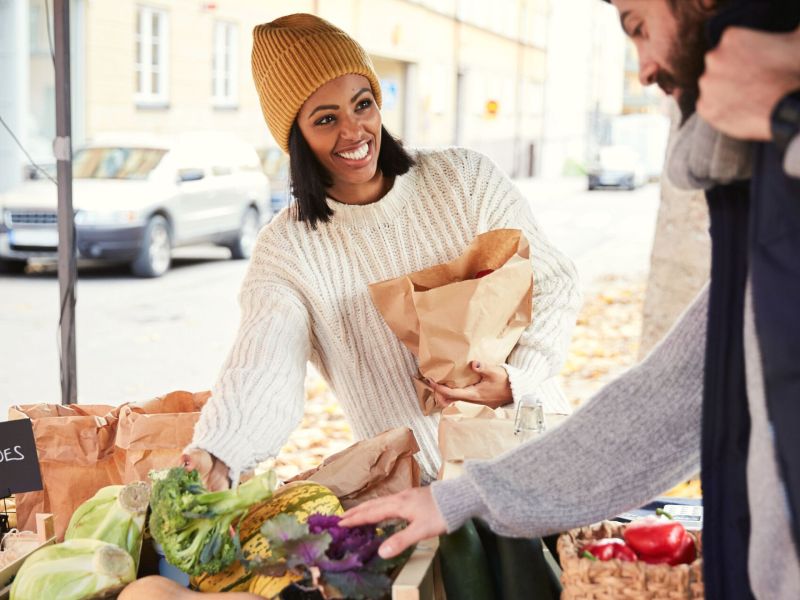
259 394
540 353
541 350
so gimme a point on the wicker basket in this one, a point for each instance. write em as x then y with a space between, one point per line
585 579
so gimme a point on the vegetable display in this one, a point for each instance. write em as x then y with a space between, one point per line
74 570
608 548
340 562
155 587
653 540
300 499
659 540
115 514
194 526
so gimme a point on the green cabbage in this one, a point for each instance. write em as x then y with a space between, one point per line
115 514
73 570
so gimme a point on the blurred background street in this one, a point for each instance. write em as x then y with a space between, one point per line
141 338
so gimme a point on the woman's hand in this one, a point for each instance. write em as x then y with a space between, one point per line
416 506
493 390
213 472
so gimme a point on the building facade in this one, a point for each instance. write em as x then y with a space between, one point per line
465 72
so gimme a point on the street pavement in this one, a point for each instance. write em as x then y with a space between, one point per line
140 338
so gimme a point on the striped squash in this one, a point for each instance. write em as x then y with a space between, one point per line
269 587
300 498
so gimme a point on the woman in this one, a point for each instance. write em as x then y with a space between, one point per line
366 210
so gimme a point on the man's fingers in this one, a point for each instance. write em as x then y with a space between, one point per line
401 540
373 511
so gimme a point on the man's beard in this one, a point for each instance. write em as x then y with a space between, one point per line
687 60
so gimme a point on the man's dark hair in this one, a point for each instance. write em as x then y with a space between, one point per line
308 179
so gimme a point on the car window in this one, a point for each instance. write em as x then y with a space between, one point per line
115 162
219 171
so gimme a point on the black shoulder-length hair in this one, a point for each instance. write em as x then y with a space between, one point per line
308 179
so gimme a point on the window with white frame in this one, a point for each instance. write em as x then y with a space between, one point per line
224 80
152 50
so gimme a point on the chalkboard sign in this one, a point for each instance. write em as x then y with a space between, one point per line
19 463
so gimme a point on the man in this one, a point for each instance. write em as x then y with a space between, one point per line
726 379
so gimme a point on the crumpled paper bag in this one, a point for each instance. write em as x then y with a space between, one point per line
152 434
368 469
447 318
83 448
469 431
75 445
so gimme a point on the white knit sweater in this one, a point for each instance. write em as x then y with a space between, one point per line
305 297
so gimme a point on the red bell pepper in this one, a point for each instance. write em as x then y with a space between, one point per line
609 548
686 553
654 536
659 540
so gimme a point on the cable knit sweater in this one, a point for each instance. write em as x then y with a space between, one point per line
305 297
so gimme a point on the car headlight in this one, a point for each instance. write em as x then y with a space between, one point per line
113 217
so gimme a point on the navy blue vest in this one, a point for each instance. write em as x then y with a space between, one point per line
754 227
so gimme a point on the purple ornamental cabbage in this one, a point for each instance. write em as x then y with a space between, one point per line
341 562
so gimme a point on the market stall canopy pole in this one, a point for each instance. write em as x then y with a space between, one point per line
62 147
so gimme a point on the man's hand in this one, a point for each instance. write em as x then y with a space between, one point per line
745 77
416 506
213 472
493 389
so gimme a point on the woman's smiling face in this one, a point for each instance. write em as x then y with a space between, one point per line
342 125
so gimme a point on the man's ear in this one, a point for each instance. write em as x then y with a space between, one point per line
708 6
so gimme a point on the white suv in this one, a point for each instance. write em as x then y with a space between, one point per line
135 198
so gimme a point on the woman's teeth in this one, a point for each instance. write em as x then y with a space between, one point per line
358 154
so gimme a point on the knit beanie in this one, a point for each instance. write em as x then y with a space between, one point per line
293 57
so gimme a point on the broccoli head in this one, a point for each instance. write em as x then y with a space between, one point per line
195 527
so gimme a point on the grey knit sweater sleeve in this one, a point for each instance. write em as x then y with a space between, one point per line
631 441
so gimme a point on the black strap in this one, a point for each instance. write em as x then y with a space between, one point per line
726 416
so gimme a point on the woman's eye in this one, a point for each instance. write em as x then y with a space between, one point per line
325 120
638 31
363 104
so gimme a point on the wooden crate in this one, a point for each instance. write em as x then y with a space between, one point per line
45 534
419 579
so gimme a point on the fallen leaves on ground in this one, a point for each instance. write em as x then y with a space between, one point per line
606 338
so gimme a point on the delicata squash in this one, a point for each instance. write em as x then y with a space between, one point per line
301 499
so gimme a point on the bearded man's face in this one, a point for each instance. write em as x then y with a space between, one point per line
669 36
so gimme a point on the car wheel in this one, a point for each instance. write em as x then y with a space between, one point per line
242 247
12 266
155 255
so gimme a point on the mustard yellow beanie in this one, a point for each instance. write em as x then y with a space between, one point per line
293 57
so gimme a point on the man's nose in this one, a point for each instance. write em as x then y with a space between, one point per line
648 72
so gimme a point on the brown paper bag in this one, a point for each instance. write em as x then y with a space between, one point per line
447 318
370 468
75 445
83 448
152 434
470 431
